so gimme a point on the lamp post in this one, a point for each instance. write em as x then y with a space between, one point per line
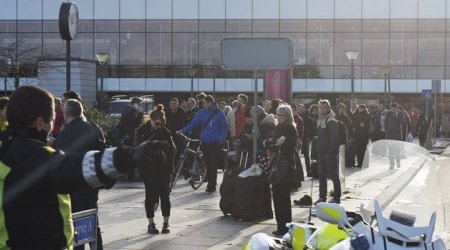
8 64
192 72
102 58
386 70
352 55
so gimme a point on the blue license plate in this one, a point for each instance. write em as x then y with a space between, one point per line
85 228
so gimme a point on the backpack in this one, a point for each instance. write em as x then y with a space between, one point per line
343 135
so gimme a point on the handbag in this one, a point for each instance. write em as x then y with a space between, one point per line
279 172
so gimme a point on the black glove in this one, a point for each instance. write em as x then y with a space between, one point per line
126 158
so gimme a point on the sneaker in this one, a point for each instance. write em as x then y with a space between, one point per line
151 229
320 200
165 229
334 200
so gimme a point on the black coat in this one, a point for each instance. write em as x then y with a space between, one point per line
309 129
288 147
361 126
158 171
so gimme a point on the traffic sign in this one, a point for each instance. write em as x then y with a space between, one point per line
427 94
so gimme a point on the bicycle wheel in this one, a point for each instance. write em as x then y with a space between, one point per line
198 173
178 169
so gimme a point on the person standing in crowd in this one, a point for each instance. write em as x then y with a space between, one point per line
351 149
274 105
59 119
200 96
157 179
183 105
422 127
309 131
214 129
362 128
231 121
176 120
36 179
284 140
377 133
130 120
192 108
222 105
314 114
267 106
414 118
3 121
300 134
328 150
76 137
393 123
247 135
341 115
406 126
240 120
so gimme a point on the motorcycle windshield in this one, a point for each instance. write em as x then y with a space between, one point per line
401 176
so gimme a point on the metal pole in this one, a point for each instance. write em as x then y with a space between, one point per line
385 90
101 91
6 75
192 86
435 115
389 89
68 65
214 86
353 78
255 117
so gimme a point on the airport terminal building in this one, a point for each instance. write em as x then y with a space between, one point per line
160 46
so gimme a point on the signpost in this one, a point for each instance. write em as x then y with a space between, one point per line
427 96
85 224
256 53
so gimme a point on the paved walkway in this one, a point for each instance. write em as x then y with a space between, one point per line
197 222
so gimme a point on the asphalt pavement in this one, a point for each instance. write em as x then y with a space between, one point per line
420 186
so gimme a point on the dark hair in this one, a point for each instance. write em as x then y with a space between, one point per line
158 114
73 108
72 95
28 103
3 102
275 103
314 106
135 100
209 98
174 100
394 105
364 107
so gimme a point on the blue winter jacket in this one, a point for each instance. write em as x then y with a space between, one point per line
213 132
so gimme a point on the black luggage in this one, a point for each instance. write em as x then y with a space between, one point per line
315 169
251 199
296 174
314 152
227 189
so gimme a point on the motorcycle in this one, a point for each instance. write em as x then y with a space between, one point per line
348 230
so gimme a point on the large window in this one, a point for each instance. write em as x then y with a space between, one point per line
108 43
403 49
375 49
320 48
431 49
185 49
132 48
159 49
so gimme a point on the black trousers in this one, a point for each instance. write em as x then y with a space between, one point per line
282 204
361 146
156 190
305 152
211 152
329 168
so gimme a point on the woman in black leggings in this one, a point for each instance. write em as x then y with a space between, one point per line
157 176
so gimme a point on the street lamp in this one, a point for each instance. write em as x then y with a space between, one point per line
386 70
191 72
8 63
352 55
102 58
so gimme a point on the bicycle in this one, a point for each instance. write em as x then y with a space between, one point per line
198 166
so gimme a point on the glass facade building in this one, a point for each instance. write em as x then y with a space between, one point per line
159 45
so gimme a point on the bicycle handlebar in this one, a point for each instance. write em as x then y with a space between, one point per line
187 138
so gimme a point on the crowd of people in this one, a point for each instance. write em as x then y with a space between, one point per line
33 125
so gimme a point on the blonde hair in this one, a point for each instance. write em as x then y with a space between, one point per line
287 110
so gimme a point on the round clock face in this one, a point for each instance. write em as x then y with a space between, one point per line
73 20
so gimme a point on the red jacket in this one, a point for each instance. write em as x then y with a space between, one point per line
240 121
